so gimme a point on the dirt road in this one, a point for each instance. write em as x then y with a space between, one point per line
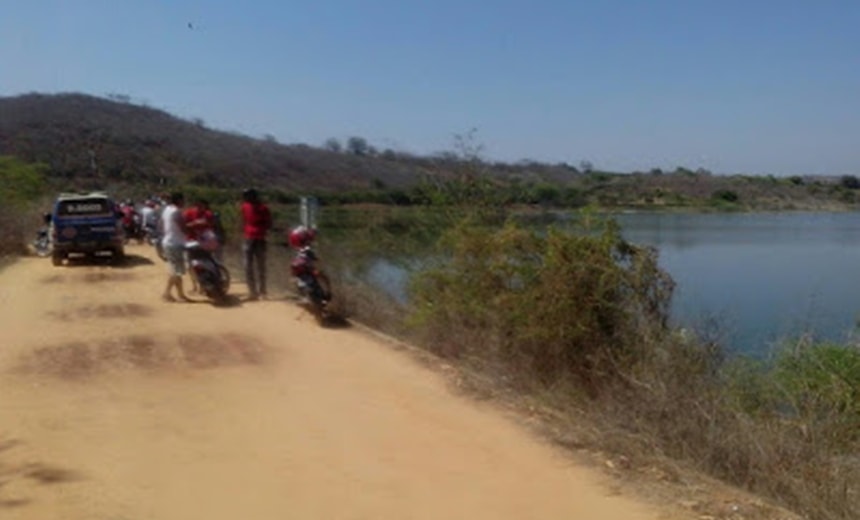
116 405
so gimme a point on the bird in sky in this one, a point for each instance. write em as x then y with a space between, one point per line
190 26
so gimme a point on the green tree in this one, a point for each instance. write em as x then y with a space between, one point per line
850 182
357 146
333 145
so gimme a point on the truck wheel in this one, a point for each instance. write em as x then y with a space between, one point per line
57 259
118 256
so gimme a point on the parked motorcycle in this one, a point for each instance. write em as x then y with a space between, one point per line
42 243
150 234
213 276
153 237
133 229
315 297
312 284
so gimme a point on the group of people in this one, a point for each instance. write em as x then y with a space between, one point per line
180 224
140 222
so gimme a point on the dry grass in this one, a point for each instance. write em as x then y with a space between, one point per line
672 438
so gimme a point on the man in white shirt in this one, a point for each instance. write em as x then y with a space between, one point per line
173 241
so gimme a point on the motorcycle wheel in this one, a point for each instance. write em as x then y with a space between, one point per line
42 248
320 311
225 278
217 294
319 304
118 256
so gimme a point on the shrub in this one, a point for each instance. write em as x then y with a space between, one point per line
21 185
559 304
725 196
820 385
20 182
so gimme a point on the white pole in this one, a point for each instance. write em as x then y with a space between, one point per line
308 212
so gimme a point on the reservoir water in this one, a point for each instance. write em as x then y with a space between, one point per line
757 279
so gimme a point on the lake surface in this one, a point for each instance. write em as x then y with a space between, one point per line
747 280
760 277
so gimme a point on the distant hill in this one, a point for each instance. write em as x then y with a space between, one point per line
92 142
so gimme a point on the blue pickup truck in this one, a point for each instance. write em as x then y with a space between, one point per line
85 224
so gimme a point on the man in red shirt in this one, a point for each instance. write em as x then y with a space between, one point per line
256 222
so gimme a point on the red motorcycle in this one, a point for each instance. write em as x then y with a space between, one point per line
213 276
312 284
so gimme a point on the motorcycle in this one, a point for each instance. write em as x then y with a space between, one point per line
153 237
312 285
150 234
133 229
213 276
42 243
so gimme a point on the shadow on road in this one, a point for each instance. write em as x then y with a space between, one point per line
335 321
128 262
134 261
229 300
332 319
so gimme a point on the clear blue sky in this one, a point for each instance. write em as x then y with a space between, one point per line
753 86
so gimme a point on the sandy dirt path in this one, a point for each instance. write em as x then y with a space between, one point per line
115 405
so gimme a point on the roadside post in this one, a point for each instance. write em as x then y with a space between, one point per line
308 212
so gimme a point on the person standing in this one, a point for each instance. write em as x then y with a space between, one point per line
256 222
173 231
